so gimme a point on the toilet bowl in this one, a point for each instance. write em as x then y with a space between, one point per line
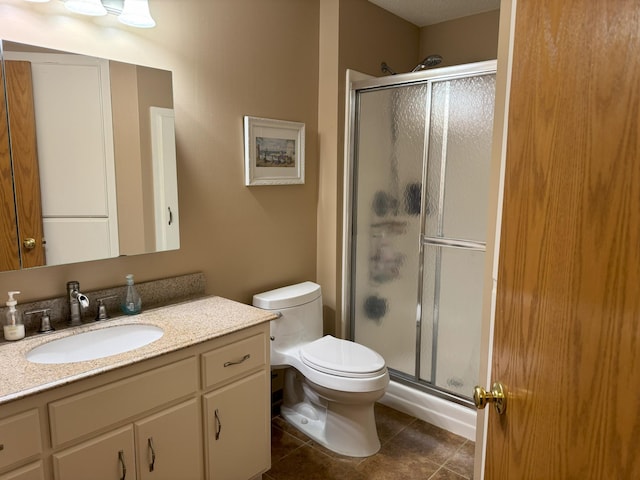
330 384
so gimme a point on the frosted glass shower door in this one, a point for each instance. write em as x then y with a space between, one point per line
386 221
421 156
457 177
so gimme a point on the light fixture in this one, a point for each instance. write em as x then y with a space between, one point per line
134 13
86 7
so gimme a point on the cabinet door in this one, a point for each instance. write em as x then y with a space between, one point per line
19 438
238 429
108 457
29 472
168 444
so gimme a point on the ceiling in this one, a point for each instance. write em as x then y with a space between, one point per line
428 12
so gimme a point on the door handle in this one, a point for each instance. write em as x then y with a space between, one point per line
497 395
29 243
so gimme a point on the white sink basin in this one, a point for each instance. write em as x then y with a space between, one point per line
95 344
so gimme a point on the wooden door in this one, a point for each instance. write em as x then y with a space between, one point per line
9 253
24 154
567 327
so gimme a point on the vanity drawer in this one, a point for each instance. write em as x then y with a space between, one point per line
19 438
233 360
103 407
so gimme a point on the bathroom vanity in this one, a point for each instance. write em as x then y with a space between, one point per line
194 404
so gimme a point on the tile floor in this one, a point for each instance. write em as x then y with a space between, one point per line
411 449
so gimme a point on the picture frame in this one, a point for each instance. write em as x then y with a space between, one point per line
273 152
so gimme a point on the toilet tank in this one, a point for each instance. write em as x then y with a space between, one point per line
301 309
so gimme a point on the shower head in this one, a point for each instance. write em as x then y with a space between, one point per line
430 61
386 68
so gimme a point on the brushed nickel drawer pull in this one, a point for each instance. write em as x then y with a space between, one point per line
218 424
122 464
153 454
245 358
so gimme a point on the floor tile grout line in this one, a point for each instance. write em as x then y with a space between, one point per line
307 442
413 420
444 464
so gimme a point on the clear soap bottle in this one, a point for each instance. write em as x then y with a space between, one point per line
13 327
132 304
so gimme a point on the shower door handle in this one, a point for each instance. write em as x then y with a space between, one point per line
497 395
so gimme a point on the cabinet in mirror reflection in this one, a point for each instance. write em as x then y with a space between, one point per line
87 157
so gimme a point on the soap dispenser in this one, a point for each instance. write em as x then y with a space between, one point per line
132 304
13 327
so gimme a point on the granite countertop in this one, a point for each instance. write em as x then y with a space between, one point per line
184 324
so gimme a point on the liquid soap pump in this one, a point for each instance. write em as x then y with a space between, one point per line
13 327
132 304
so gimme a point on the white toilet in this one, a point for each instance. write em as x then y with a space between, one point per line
330 391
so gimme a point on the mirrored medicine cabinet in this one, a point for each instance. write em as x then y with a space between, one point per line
87 158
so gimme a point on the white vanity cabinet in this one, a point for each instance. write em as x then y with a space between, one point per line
107 457
163 446
20 442
156 419
33 471
237 426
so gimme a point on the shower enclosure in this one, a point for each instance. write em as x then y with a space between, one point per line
416 192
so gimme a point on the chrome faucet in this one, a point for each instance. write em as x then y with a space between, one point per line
77 301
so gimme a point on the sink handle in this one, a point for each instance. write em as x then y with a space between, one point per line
45 320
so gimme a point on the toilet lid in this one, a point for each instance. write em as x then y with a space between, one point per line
342 358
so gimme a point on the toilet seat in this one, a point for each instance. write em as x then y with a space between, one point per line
342 358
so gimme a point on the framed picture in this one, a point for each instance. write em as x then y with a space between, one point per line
273 152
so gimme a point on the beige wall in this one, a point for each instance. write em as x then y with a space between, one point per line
126 146
463 40
134 89
283 59
366 36
229 59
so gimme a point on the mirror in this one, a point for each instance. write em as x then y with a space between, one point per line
87 159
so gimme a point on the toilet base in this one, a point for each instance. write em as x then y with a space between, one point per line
341 422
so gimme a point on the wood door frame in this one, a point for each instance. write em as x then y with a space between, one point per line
494 220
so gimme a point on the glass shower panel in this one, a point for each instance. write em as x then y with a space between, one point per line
459 157
457 172
452 310
388 171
